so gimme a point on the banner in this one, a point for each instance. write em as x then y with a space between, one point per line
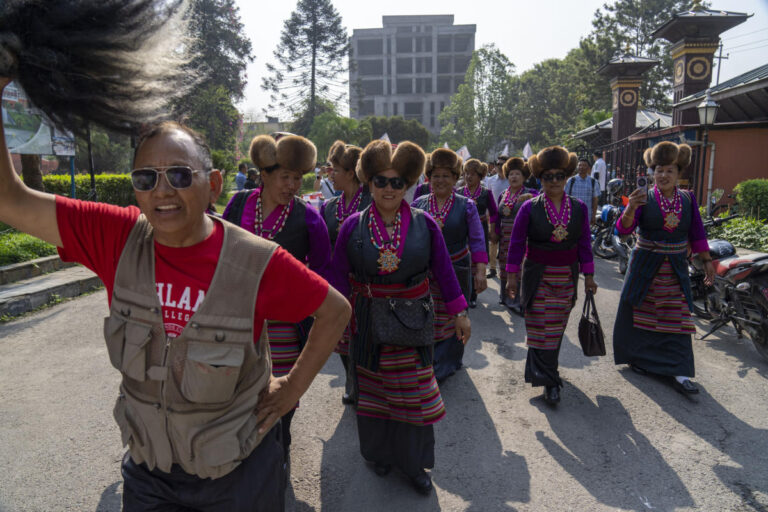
27 131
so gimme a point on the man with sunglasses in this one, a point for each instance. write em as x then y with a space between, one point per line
197 402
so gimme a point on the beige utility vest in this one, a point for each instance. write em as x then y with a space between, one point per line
189 400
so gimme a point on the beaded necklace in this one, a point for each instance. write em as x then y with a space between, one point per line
388 260
558 220
509 201
342 212
440 214
670 210
468 193
258 223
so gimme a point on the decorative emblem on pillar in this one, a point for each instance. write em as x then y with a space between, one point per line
628 98
698 68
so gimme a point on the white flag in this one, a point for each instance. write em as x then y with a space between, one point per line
527 151
505 152
444 145
385 137
463 152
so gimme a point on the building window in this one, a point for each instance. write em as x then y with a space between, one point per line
457 81
423 64
442 106
404 45
444 44
389 67
386 109
423 44
461 63
369 47
432 121
405 66
394 108
423 85
461 43
370 67
404 30
366 108
432 108
413 110
404 86
389 86
444 64
444 84
373 87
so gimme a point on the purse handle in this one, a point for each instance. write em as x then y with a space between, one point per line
590 308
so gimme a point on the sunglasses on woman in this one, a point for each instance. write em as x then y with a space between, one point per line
397 183
178 176
560 176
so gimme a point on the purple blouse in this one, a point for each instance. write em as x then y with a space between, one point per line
319 255
518 242
697 235
475 229
497 223
440 262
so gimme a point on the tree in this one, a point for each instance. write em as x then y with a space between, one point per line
398 129
305 116
111 152
329 127
630 24
212 113
480 113
311 57
221 50
31 172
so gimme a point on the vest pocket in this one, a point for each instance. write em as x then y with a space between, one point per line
211 372
114 335
126 345
129 428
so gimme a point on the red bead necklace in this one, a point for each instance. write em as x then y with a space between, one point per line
558 220
388 259
258 223
439 214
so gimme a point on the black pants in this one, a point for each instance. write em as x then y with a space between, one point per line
541 367
408 447
257 484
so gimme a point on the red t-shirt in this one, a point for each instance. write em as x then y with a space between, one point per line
94 234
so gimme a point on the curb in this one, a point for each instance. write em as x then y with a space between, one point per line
32 268
31 294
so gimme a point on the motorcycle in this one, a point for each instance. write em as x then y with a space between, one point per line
623 246
739 294
604 230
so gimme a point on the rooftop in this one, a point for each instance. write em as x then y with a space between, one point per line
699 23
643 119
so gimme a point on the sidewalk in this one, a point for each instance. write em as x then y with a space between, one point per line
25 287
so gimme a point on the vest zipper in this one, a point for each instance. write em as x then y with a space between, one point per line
163 388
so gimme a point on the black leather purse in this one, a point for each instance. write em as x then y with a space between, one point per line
590 332
402 322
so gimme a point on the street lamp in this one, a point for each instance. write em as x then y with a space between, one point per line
707 113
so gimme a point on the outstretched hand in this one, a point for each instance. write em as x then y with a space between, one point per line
463 328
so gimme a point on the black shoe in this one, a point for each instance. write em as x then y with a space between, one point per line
637 369
552 395
686 387
381 469
347 399
422 483
492 273
473 304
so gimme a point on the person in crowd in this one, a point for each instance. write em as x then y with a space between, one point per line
496 183
474 172
423 189
253 180
322 182
584 187
188 297
354 197
387 250
653 325
240 177
599 170
460 225
274 212
515 170
552 231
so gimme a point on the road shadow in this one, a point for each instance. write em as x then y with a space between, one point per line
492 317
742 351
744 444
467 445
23 323
111 500
609 276
599 446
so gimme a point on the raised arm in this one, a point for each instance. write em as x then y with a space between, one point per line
25 209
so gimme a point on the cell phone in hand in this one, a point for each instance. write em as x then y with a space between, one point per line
642 184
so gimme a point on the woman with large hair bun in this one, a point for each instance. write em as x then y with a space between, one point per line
383 256
460 224
552 232
474 172
653 326
275 212
515 171
354 197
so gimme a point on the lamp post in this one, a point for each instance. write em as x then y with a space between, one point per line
707 113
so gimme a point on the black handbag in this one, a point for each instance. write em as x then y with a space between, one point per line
590 332
402 322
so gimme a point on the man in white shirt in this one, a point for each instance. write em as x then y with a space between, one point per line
497 185
599 170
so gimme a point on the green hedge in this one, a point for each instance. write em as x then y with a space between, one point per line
307 182
743 232
110 188
17 247
753 198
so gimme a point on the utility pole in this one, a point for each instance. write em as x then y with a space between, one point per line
720 59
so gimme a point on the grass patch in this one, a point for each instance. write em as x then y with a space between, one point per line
17 247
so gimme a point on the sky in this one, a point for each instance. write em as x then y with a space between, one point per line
526 31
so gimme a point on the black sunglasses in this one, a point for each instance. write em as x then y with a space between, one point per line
178 176
397 183
560 176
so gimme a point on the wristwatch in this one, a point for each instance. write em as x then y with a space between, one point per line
462 314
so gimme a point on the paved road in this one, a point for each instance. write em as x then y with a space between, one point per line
618 441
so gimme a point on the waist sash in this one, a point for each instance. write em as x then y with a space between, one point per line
660 247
